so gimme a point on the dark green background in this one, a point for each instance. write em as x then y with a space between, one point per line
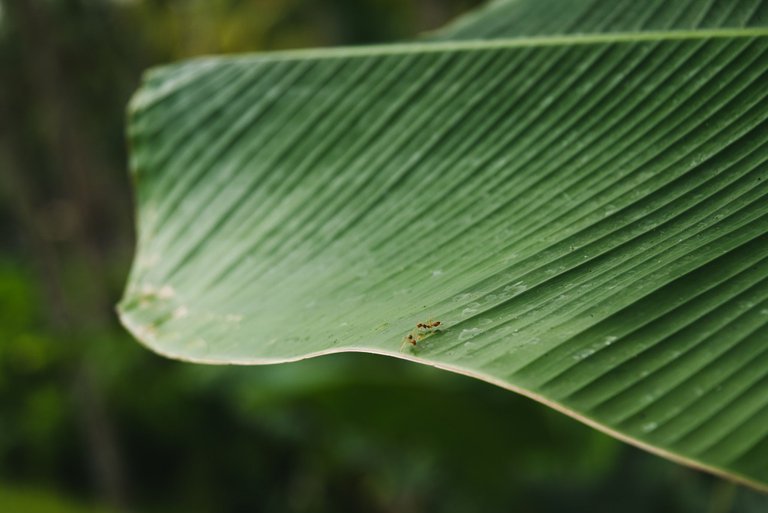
91 421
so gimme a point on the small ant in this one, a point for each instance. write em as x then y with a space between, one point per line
422 331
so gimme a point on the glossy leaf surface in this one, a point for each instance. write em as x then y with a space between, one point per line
585 214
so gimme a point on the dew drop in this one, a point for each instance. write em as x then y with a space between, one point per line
585 353
469 333
180 313
471 309
515 288
166 292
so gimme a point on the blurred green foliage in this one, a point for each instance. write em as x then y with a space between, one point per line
41 501
91 421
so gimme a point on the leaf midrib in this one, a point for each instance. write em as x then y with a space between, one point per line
489 44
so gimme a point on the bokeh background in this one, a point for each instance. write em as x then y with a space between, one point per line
90 421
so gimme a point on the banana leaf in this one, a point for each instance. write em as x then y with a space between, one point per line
567 199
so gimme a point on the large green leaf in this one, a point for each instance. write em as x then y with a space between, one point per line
586 215
521 18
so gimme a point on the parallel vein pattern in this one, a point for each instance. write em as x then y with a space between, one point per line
526 18
589 222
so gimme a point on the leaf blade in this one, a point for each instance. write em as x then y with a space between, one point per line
562 209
